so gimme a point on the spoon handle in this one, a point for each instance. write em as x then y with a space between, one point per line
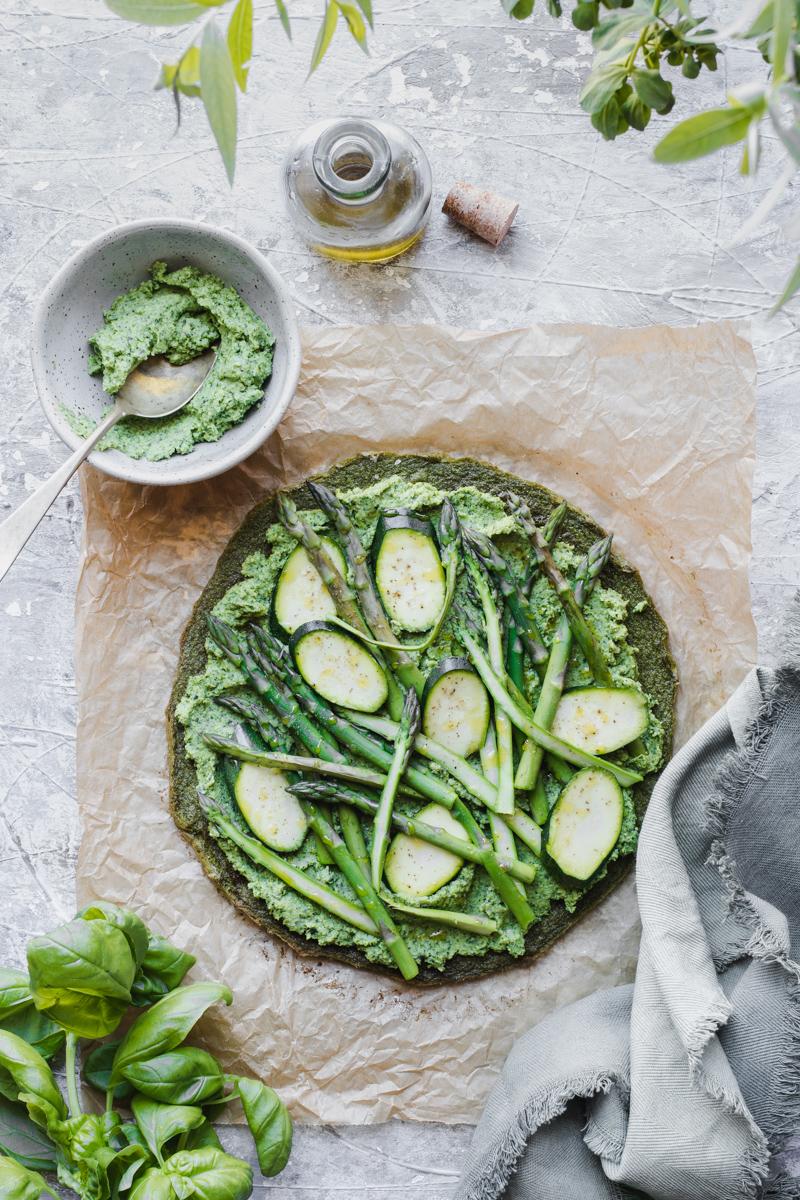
16 529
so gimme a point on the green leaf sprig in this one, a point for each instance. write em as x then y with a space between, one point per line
215 66
154 1140
635 41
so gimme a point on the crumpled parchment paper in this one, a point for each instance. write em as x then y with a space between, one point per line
650 431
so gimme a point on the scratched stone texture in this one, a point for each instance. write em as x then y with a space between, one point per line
603 235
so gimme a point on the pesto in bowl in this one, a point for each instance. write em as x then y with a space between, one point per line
180 314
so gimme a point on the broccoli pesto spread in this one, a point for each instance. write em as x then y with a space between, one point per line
179 314
470 891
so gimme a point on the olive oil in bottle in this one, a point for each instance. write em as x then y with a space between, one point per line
358 191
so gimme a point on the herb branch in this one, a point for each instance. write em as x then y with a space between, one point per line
215 66
635 41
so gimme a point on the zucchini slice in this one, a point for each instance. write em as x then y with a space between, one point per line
415 868
408 571
455 707
338 667
601 719
585 823
269 808
300 595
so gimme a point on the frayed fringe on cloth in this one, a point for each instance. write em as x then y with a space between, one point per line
540 1110
763 943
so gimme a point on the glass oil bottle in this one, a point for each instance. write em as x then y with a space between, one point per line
358 190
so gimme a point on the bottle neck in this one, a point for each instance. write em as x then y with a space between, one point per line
351 160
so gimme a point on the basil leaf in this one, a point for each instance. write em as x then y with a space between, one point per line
82 1137
157 12
97 1070
213 1174
153 1185
15 993
240 40
24 1140
160 1122
81 976
125 1166
166 1024
183 1076
270 1124
133 927
19 1183
325 35
133 1134
703 134
36 1029
601 85
162 970
218 90
37 1087
203 1135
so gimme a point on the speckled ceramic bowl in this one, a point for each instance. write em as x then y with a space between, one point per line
71 309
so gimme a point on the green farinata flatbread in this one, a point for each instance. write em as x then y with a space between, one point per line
633 638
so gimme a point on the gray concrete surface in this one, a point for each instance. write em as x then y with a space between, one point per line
603 235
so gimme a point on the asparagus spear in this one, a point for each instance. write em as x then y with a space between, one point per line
490 558
523 718
540 808
368 897
293 877
502 837
554 522
550 532
343 731
353 836
294 762
332 791
343 596
514 651
502 724
409 724
466 922
581 630
449 529
586 575
408 672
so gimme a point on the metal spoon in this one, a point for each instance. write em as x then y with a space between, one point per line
155 388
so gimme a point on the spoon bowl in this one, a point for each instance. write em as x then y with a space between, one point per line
159 388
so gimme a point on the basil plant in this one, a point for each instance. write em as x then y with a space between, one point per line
150 1136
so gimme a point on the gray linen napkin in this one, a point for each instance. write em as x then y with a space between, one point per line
685 1084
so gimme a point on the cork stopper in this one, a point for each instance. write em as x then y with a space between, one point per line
484 213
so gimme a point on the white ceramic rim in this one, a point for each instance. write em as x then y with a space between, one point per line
134 470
